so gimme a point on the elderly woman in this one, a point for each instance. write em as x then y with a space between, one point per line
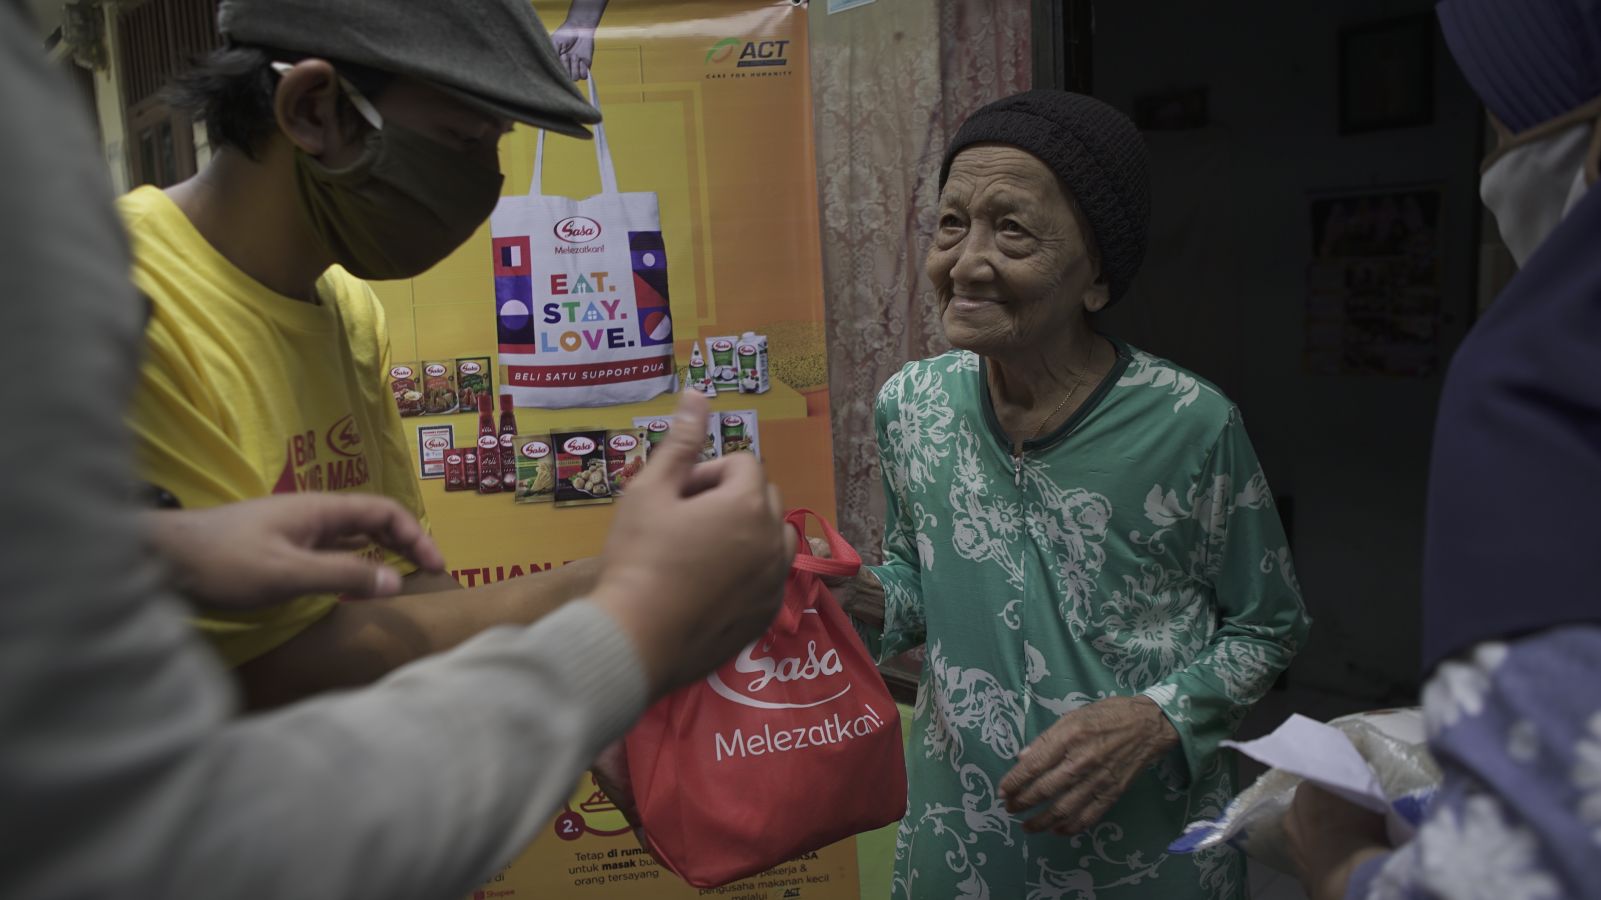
1078 532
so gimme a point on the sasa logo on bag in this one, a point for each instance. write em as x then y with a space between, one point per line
454 459
623 443
536 450
435 443
400 372
722 346
471 368
792 682
578 229
489 442
579 446
435 370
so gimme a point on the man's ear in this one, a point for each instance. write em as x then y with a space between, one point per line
306 106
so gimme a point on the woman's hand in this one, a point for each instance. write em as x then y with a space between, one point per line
860 595
1085 762
1328 838
272 550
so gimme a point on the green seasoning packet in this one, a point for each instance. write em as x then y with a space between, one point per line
473 380
536 469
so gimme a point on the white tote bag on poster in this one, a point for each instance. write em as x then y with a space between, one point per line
581 301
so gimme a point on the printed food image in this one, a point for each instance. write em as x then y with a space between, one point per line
543 482
626 474
472 380
439 387
625 456
592 479
797 354
405 385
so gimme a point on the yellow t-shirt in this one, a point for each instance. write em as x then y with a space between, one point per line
244 393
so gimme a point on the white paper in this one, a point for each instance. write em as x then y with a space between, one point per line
1322 755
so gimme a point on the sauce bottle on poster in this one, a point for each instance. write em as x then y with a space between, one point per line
508 440
489 481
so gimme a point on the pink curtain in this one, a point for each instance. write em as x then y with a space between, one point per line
892 81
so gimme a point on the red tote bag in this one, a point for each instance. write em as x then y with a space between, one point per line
790 746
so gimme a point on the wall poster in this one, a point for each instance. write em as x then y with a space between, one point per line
682 249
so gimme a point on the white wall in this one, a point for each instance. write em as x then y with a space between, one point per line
1224 285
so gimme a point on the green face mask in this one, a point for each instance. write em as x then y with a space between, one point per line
399 209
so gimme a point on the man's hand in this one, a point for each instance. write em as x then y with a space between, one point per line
261 552
1085 762
1328 838
695 563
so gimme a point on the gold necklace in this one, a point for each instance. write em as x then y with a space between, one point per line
1047 420
1089 360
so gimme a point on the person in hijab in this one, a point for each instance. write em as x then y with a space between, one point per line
1511 612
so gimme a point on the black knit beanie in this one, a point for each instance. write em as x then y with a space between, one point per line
1096 152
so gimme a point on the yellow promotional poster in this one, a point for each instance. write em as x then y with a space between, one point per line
679 250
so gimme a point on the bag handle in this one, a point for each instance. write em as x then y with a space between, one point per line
608 170
845 562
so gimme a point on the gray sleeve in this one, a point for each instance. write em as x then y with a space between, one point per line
124 771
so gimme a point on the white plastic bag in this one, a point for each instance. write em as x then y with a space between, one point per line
1402 779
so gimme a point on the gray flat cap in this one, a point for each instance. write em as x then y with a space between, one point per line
493 54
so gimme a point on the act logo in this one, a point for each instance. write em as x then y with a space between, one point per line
749 54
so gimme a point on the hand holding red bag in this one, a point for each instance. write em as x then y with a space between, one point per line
790 746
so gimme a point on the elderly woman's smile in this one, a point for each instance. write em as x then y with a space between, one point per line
1010 262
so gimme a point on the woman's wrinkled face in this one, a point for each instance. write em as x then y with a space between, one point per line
1011 263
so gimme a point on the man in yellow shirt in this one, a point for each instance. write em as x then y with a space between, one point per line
353 139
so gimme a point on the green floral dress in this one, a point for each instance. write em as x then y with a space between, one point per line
1134 551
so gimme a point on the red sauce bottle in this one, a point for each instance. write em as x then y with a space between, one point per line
488 449
508 440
